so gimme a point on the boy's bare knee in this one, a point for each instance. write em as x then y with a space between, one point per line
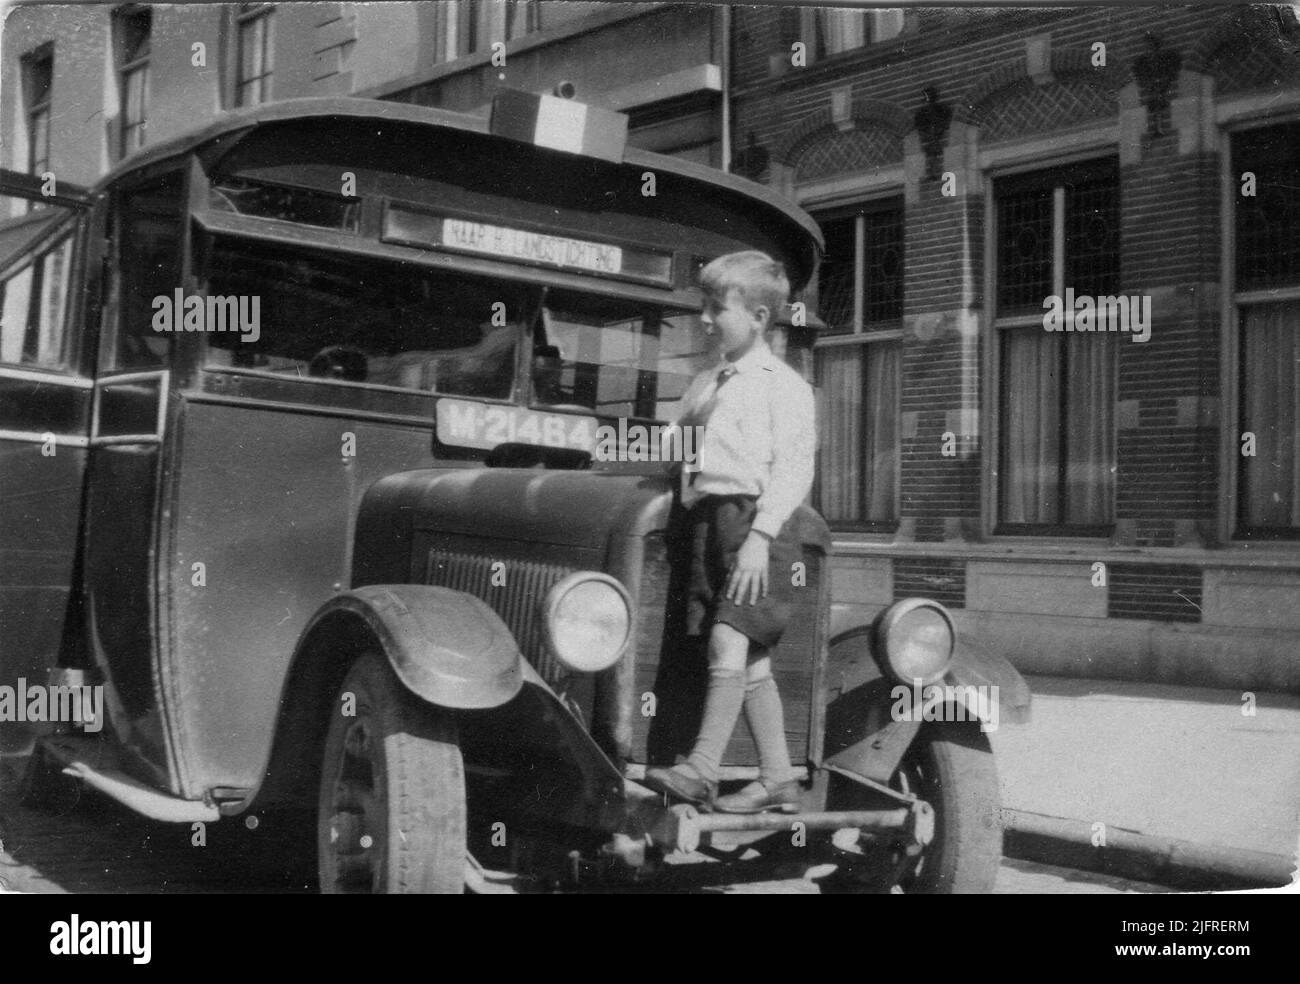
728 648
759 670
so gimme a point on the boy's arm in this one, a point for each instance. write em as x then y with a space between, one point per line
794 442
793 447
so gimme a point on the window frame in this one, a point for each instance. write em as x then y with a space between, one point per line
1233 499
866 333
810 20
1053 174
246 15
41 55
127 67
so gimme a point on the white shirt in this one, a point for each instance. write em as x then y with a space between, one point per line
759 435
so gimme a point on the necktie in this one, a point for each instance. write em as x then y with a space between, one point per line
712 403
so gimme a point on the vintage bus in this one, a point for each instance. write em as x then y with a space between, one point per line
297 422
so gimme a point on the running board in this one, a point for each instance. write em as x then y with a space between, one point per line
116 785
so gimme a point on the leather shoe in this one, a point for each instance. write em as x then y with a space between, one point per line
758 796
683 782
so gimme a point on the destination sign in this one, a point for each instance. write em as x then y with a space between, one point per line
525 246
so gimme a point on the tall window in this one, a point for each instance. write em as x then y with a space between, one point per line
860 297
1267 227
38 83
463 27
254 25
1056 230
132 27
835 30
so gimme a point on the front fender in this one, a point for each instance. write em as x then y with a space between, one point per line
865 737
973 665
446 647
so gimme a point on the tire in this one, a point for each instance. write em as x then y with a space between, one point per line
391 811
959 778
950 765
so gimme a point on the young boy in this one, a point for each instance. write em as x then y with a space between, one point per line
755 467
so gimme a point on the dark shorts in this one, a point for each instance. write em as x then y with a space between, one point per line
718 526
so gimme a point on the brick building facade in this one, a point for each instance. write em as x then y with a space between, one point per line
1082 498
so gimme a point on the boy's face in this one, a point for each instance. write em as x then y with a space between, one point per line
734 324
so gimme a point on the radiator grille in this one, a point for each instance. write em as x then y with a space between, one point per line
517 601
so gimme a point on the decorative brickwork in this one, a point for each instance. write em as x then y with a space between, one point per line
831 152
1026 109
931 577
1252 47
809 125
1160 592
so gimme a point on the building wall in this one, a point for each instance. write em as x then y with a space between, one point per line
1024 94
630 57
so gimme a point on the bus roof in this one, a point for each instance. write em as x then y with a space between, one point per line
231 127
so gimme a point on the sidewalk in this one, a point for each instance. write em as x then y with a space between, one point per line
1165 762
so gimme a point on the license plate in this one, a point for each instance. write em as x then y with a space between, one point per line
466 424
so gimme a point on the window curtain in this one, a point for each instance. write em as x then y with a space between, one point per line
858 465
882 430
843 431
1089 429
886 23
1030 437
1271 411
1035 436
842 30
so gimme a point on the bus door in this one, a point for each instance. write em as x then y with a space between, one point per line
45 396
132 420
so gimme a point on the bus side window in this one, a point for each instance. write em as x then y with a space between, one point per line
35 271
147 235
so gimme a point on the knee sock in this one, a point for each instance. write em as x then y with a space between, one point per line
766 720
722 706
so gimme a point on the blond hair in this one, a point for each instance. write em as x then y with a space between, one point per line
760 280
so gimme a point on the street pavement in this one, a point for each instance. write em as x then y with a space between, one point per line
1169 762
1176 762
99 848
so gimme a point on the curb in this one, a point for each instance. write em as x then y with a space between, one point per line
1141 857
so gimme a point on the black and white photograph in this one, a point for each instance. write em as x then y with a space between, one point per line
545 447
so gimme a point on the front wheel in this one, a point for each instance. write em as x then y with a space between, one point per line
949 765
391 816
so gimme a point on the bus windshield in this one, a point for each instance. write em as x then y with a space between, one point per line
615 357
366 320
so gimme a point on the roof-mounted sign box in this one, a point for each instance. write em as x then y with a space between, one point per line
560 124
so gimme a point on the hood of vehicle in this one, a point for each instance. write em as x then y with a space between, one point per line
578 510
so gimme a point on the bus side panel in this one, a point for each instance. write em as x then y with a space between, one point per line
266 501
40 505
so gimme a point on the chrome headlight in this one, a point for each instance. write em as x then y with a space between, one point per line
587 621
916 639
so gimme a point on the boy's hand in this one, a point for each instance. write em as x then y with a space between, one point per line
748 576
